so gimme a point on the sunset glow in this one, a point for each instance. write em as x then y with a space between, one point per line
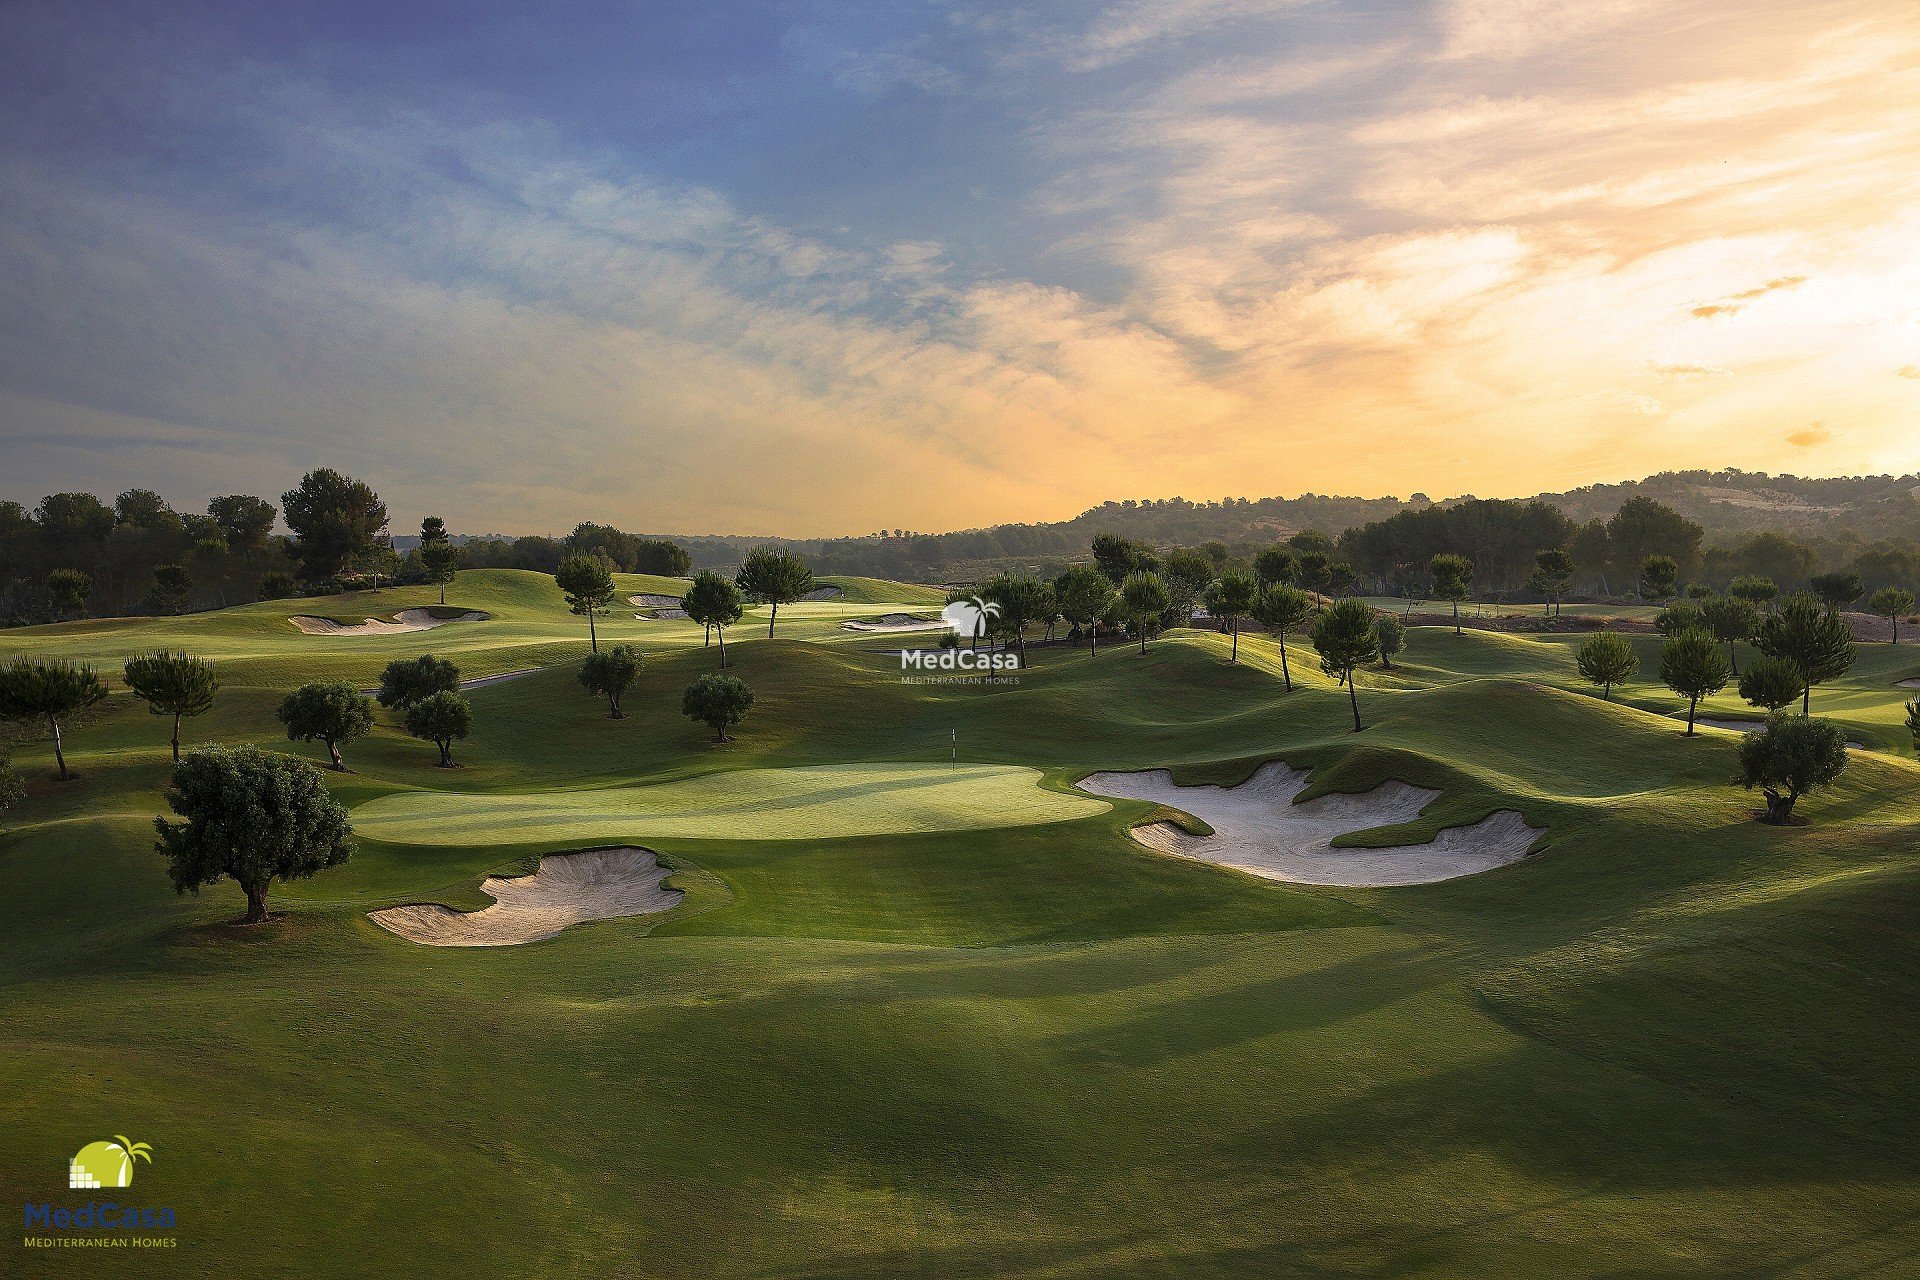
968 264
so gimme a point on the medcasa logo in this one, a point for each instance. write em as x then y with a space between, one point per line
108 1224
971 620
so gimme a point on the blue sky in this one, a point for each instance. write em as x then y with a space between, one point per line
833 267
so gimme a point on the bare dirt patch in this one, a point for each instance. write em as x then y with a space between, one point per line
1258 828
567 889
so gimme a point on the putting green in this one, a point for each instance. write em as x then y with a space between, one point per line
749 804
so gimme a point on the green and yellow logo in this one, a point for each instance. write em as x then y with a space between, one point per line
106 1164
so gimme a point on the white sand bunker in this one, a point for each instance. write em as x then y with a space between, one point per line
887 622
1257 828
1908 684
824 593
664 607
399 624
568 888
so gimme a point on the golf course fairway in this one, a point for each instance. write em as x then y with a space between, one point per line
818 803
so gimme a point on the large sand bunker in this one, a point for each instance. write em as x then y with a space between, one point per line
889 622
1908 684
1257 828
568 888
399 624
824 593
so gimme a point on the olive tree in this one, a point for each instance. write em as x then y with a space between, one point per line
1083 595
1813 638
1789 756
252 816
1281 610
1143 598
714 603
1606 658
1345 639
440 718
1892 603
1695 667
172 684
332 713
1230 598
608 675
1452 581
587 583
720 702
1771 683
49 690
406 681
773 577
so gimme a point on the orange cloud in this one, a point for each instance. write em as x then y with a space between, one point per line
1807 437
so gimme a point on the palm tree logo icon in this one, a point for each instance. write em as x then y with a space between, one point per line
106 1164
969 616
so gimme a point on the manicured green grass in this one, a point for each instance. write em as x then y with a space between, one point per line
819 803
1673 1041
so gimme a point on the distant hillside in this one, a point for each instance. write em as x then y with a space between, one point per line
1726 503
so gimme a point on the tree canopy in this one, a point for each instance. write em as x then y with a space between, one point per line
252 816
172 684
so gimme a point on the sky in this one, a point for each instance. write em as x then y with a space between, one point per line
820 269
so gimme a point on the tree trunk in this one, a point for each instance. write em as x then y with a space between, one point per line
443 593
1692 706
1286 675
1606 691
593 633
1896 629
256 903
176 737
446 753
1354 698
1806 701
1733 659
613 708
774 614
1235 628
1143 637
333 749
1779 807
59 752
1456 617
723 647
